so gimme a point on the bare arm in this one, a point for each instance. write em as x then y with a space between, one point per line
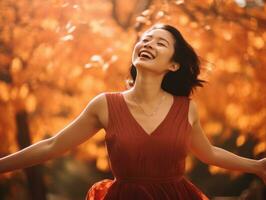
78 131
209 154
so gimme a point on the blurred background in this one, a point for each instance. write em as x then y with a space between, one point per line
56 55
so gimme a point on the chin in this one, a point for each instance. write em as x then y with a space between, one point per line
143 63
147 66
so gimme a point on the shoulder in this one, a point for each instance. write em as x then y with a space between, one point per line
193 112
99 106
100 101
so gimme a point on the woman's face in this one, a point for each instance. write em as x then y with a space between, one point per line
154 51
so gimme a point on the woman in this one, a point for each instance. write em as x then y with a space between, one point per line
149 128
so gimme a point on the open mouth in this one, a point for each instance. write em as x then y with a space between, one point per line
146 54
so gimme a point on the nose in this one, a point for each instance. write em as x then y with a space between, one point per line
148 45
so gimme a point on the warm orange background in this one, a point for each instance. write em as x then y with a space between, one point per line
56 55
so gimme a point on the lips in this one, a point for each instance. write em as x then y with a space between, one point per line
146 54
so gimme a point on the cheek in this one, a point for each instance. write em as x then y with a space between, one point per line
166 56
136 50
170 54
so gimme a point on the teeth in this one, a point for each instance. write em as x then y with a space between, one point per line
146 54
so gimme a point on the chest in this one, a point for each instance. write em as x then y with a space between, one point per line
148 123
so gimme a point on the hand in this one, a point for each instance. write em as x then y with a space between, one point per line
262 169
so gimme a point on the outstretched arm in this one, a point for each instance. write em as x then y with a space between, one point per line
209 154
78 131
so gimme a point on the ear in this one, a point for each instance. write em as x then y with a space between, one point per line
174 67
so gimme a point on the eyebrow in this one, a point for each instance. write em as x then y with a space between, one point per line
159 38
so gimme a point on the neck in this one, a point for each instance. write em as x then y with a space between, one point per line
147 87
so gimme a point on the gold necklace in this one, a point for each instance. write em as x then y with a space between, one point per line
155 110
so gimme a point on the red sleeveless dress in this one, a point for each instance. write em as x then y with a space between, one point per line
146 167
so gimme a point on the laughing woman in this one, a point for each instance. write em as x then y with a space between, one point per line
150 128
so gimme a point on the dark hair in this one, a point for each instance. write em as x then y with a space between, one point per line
183 81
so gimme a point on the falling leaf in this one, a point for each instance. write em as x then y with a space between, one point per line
67 38
71 29
159 14
88 65
31 103
16 65
76 6
114 58
4 92
146 13
260 148
141 19
240 140
23 91
105 66
178 2
97 58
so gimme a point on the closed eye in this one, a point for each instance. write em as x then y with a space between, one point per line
161 44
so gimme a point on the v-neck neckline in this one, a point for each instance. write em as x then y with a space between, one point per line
139 125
